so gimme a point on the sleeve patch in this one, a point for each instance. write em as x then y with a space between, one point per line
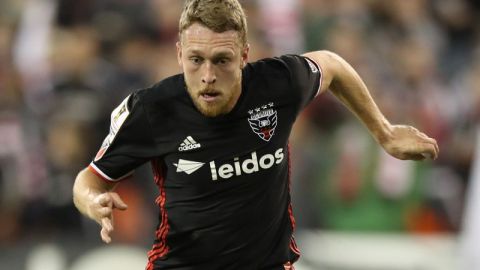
315 67
312 65
118 117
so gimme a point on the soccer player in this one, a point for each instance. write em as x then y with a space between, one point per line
217 139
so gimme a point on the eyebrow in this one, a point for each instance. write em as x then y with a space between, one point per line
216 55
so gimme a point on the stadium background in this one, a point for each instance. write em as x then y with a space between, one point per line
65 64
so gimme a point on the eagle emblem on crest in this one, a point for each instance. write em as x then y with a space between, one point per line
263 121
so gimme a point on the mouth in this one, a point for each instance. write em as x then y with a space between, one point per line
210 95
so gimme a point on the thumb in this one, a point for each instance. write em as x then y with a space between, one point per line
117 201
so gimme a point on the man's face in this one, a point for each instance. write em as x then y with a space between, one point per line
212 64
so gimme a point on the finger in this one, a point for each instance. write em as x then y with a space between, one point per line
421 151
429 151
107 224
105 236
105 212
435 148
435 145
427 156
430 140
117 201
103 199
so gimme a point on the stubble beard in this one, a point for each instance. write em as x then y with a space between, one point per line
223 106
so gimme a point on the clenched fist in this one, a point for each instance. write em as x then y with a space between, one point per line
406 142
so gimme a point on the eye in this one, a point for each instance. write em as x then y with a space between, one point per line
222 61
196 60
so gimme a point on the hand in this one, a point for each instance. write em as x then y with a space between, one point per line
406 142
101 210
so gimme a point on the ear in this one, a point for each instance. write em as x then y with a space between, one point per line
245 52
179 53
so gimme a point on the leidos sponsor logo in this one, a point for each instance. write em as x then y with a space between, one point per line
187 166
189 144
238 167
248 166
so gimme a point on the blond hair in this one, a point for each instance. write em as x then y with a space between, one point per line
217 15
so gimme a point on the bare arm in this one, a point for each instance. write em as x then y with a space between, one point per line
95 199
403 142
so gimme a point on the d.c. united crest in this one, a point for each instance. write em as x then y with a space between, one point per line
263 121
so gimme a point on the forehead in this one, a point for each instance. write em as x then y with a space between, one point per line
199 37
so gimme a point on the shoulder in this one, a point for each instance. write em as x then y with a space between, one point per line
284 67
280 63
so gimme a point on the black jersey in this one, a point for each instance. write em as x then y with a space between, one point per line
223 181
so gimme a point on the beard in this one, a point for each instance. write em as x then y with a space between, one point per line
222 101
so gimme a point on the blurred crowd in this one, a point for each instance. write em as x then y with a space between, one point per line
65 64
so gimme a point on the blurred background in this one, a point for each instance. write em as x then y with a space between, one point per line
65 64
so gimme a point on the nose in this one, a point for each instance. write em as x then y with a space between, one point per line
209 76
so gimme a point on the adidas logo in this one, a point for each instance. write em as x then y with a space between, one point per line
189 144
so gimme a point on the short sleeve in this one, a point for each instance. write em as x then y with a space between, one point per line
128 144
305 76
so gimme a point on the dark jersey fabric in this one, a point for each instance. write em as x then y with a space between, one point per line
224 181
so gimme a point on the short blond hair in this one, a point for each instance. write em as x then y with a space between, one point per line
217 15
